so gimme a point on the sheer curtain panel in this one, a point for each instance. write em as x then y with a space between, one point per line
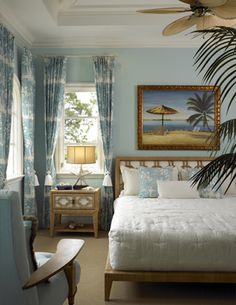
54 86
28 105
6 97
104 80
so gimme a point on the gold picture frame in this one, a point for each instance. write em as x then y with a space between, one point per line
178 117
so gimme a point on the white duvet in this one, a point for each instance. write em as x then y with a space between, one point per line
173 234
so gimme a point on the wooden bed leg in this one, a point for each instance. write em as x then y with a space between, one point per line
108 283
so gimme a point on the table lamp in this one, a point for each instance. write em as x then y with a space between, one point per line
81 154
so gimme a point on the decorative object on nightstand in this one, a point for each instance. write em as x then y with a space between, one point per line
84 202
81 154
63 187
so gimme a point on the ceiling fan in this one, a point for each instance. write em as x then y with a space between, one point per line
204 14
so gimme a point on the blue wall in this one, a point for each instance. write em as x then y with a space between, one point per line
133 67
163 66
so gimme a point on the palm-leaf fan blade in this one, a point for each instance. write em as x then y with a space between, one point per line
179 25
169 10
190 2
226 11
208 3
212 3
209 21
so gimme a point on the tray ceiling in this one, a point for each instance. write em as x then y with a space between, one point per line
91 23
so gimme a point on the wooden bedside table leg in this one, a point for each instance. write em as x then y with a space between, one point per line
59 218
95 224
52 223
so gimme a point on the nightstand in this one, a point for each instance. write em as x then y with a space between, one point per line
84 202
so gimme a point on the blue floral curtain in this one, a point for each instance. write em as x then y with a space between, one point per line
54 85
6 97
104 80
28 104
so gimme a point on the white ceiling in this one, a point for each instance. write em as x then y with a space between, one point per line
91 23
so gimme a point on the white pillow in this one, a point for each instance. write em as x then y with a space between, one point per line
175 173
176 189
130 178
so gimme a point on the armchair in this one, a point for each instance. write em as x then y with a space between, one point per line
54 280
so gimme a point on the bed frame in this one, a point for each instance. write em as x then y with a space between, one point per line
160 276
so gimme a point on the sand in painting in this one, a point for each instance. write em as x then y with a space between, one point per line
177 137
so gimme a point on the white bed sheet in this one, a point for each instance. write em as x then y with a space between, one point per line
173 234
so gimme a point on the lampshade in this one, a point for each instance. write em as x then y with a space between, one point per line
81 154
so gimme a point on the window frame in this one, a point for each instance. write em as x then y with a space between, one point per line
16 139
59 152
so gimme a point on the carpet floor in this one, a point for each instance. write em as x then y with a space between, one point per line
91 287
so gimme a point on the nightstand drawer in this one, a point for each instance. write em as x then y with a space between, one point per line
84 201
63 202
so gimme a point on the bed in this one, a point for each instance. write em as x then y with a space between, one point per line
139 247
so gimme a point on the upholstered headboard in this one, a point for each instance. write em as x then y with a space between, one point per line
135 162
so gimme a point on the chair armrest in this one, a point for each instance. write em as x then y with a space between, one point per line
67 250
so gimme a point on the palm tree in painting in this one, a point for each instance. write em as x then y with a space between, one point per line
203 106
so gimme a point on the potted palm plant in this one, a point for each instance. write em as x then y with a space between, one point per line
216 59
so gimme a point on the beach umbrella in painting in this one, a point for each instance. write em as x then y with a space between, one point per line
162 110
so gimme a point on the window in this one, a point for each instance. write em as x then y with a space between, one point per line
79 126
15 164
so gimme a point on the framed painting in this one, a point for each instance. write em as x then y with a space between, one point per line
178 117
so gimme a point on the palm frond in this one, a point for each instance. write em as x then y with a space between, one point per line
233 97
217 58
212 46
221 168
212 72
227 134
210 54
217 33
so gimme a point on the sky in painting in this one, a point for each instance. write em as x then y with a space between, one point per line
176 99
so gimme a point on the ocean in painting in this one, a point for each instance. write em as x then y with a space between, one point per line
152 125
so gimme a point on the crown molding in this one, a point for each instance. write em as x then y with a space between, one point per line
83 4
111 43
22 36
